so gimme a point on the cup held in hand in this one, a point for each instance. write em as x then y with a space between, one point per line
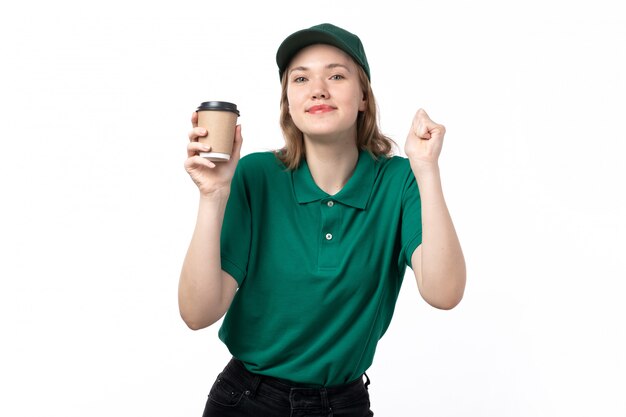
219 118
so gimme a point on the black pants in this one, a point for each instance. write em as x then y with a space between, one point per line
238 392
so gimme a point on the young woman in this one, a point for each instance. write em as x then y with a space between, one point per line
304 249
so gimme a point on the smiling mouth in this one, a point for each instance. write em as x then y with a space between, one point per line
320 109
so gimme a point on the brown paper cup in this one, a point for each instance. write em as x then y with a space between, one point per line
219 118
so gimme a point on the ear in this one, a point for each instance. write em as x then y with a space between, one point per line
363 103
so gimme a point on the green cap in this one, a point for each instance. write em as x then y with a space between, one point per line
325 33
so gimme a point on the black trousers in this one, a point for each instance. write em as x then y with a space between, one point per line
238 392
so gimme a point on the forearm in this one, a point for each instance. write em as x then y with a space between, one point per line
442 262
200 286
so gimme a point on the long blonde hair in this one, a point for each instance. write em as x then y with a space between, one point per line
369 136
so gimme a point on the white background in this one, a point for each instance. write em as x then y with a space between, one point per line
97 210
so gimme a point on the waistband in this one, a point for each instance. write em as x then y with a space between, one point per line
280 389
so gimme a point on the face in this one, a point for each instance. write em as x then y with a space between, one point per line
324 93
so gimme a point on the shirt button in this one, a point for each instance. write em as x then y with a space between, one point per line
328 236
330 203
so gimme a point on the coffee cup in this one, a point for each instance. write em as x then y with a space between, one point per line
219 118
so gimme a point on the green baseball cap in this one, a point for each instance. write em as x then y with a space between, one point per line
325 33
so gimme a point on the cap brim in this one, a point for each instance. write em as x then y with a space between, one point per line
301 39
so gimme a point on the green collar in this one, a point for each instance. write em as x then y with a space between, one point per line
355 193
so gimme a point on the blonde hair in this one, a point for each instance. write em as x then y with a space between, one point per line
369 136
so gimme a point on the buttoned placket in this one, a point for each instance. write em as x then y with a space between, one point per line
331 223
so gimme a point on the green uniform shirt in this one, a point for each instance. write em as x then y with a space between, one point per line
318 275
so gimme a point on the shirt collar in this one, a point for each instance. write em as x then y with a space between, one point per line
355 193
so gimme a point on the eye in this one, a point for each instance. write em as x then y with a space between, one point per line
337 77
299 80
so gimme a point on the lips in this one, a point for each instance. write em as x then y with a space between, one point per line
322 108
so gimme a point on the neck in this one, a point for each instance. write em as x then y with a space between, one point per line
331 165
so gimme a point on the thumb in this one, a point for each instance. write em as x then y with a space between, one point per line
237 143
420 129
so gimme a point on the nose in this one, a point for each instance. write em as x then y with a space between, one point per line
319 90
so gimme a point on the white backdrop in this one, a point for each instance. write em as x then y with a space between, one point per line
97 210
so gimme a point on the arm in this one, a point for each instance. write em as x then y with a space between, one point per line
205 291
438 263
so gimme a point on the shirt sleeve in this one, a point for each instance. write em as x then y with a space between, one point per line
411 230
236 229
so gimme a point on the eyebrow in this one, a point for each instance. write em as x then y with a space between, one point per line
329 66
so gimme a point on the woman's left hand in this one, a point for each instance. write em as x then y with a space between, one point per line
424 141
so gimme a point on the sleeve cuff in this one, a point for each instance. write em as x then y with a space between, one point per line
411 246
231 268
